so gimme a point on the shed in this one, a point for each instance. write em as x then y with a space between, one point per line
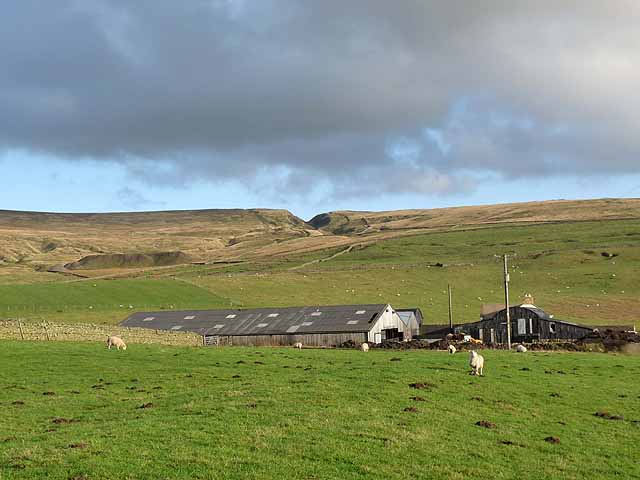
528 324
313 325
412 318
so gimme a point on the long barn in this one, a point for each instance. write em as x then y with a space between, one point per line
322 326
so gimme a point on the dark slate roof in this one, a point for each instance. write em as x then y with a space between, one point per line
538 311
262 321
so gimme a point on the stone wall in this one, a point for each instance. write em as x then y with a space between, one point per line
11 329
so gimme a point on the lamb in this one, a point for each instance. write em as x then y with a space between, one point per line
298 345
521 349
452 349
476 362
116 342
364 347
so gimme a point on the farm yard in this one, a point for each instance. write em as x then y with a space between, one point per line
77 410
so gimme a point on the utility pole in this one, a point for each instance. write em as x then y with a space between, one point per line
506 301
450 311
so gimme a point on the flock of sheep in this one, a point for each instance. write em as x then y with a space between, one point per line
476 361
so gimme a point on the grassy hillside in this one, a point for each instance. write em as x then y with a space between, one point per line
103 301
561 265
583 271
71 411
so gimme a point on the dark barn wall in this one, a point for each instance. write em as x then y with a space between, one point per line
536 328
312 340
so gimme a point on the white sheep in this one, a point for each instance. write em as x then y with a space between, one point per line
364 347
116 342
521 348
452 349
476 362
298 345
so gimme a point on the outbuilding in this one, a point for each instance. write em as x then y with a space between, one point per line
322 326
528 324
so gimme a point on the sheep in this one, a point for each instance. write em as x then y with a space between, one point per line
521 349
452 349
476 362
364 347
298 345
116 342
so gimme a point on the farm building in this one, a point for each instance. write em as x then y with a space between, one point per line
528 324
412 318
315 326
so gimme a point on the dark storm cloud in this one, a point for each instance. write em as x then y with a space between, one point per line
325 91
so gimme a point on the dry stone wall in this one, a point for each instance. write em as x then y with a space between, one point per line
77 332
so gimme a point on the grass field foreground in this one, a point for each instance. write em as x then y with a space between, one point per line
77 410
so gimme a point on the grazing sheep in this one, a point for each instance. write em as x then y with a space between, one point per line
476 362
298 345
116 342
364 347
452 349
521 348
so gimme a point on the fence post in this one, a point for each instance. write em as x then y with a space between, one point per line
44 324
20 327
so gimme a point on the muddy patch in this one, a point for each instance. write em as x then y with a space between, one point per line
606 415
17 403
422 385
63 421
80 445
485 424
395 359
418 399
48 394
411 410
552 439
146 405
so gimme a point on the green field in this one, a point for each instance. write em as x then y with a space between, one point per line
101 301
562 265
281 413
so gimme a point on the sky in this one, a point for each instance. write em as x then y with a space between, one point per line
130 105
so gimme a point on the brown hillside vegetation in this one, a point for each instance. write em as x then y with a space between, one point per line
363 223
31 240
59 238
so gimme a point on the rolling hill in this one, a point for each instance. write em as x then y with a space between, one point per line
579 259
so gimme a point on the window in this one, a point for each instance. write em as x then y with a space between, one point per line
293 328
273 315
531 325
306 324
316 314
552 327
231 315
522 326
219 325
361 312
148 319
189 317
176 327
352 322
262 325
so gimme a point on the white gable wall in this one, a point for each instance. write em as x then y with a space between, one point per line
387 320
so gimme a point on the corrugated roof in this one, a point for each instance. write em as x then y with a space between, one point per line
262 321
416 311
